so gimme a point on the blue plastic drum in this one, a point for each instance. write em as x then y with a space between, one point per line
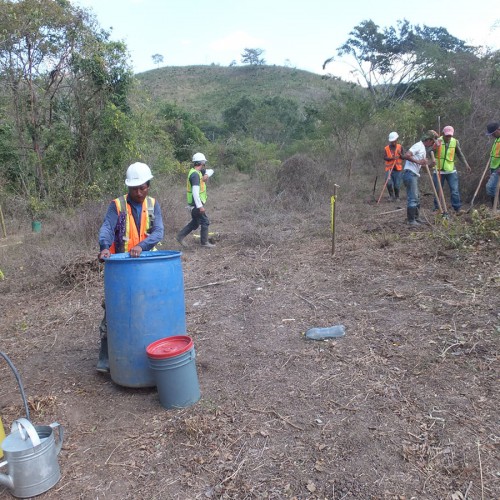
144 303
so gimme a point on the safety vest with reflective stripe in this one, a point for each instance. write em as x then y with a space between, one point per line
127 236
396 157
495 154
445 155
203 188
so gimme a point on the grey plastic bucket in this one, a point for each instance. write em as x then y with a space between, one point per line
172 361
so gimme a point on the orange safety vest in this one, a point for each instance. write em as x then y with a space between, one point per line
397 156
131 236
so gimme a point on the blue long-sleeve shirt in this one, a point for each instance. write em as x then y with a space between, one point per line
107 231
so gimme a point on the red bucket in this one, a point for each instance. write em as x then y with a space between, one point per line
172 361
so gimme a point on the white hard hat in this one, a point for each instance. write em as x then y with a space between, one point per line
138 174
199 157
393 136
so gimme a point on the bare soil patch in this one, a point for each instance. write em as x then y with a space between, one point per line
404 406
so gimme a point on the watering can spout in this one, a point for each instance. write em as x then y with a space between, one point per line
6 480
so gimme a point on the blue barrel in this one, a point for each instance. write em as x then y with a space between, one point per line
144 302
173 362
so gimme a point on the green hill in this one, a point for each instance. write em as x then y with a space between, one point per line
206 91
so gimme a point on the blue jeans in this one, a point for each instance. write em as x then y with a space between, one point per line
452 180
491 185
410 181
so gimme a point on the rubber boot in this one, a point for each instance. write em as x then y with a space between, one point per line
411 214
391 193
103 363
204 238
182 234
396 193
417 216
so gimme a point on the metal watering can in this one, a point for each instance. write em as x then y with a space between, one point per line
31 457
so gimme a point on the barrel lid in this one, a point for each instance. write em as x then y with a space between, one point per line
169 347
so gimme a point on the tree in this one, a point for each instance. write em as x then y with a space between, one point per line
157 59
184 134
391 61
237 117
345 119
61 73
252 57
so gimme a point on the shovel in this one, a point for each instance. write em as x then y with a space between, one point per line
479 185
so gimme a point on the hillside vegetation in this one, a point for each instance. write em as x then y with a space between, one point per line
206 91
74 116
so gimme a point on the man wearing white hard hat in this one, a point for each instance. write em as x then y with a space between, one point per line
133 223
445 171
393 156
197 198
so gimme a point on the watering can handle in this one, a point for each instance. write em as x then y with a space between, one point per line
23 424
60 431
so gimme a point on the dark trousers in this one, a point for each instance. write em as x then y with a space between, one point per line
197 219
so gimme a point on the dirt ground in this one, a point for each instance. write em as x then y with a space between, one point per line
404 406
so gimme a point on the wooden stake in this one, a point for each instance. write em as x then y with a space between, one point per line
375 186
333 215
3 223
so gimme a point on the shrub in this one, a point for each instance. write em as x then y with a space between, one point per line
483 227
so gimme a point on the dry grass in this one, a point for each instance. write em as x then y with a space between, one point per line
403 406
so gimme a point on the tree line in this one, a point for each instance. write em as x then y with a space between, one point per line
72 115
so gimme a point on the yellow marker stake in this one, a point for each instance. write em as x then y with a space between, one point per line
333 199
2 437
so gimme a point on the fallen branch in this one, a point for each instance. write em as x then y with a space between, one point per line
480 470
10 244
210 284
275 413
392 211
305 300
233 475
341 406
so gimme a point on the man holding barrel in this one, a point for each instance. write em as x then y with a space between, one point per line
133 223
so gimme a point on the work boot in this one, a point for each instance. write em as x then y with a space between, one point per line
181 241
204 238
411 214
182 234
417 216
103 362
396 194
391 193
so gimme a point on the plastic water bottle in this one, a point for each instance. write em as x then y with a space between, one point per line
329 332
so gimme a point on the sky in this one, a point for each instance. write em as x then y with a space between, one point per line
298 34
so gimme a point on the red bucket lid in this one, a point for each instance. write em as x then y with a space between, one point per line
169 347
